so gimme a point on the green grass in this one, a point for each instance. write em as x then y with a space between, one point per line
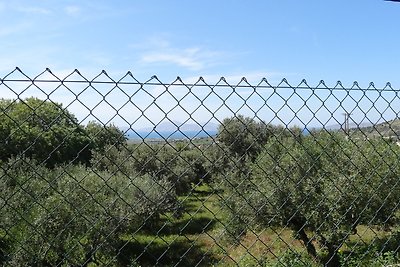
178 240
170 250
195 239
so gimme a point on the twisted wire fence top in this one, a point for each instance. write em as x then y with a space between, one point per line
114 93
48 76
120 172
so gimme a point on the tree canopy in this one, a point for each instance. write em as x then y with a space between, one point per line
46 131
246 137
321 186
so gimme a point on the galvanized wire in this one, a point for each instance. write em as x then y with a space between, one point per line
118 172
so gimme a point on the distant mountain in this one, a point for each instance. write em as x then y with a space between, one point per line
168 126
389 128
352 126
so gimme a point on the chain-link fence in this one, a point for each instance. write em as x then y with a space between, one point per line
104 172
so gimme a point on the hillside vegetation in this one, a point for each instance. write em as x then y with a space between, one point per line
388 129
253 195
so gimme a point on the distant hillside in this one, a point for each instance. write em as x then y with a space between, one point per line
387 129
168 126
173 130
352 125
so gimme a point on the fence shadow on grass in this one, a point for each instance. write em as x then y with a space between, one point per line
174 240
162 252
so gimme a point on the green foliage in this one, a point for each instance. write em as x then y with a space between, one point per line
323 183
372 258
292 259
243 136
162 162
42 130
71 215
387 129
45 131
190 168
113 160
284 259
102 136
322 186
165 243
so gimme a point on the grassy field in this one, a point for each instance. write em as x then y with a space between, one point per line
196 239
184 240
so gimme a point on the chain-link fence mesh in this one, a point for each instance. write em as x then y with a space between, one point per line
104 172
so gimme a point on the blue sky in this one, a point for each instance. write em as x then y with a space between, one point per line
316 40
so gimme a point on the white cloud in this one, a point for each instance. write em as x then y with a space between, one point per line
193 58
13 29
159 50
33 10
72 10
24 8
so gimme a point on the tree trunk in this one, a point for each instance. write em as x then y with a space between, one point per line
307 242
333 259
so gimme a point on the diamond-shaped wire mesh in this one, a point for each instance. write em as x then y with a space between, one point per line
106 172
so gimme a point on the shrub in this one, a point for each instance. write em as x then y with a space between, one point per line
74 216
162 162
321 186
42 130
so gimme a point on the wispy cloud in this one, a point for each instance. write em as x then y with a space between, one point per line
193 58
72 10
12 29
27 9
159 50
33 10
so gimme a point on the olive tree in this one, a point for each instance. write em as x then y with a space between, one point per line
74 216
160 161
321 186
42 130
46 131
245 137
102 136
